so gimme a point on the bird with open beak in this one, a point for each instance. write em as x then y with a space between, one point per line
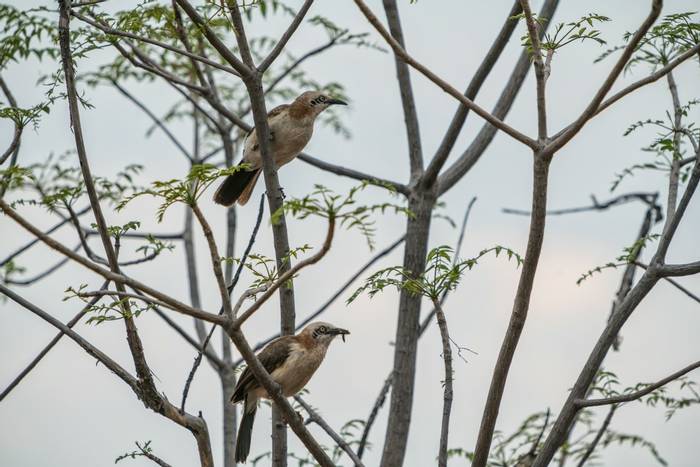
291 127
291 362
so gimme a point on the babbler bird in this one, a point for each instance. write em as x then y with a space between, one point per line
291 361
291 127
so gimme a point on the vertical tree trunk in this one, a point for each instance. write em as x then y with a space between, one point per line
421 203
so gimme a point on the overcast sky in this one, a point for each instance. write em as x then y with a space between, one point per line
70 411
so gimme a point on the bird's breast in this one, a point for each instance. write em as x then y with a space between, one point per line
298 369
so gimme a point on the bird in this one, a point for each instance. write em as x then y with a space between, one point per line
291 361
291 128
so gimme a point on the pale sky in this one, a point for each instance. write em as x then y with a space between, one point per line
70 411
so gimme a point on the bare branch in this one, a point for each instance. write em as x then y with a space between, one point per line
540 74
274 53
400 52
637 394
447 393
647 198
673 283
351 173
521 304
460 116
318 420
410 115
599 435
676 270
17 134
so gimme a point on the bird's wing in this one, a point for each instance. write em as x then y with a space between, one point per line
251 141
272 357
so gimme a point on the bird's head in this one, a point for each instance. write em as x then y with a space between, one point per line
314 102
324 333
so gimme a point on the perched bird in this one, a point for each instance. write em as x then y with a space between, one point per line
291 127
291 361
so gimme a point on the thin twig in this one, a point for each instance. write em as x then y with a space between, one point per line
282 42
447 393
318 420
599 435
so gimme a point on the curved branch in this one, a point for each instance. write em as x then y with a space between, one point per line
636 394
17 135
286 276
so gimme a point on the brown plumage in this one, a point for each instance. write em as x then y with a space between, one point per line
291 128
291 361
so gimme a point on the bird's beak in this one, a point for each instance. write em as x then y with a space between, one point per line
341 332
336 102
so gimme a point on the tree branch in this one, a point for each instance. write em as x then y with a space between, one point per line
447 393
351 173
410 115
460 116
17 134
274 53
401 53
318 420
636 394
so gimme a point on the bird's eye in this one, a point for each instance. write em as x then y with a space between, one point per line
322 329
322 98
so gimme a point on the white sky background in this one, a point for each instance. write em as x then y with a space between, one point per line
70 411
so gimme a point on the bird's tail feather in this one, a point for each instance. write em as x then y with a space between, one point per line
245 430
234 185
245 196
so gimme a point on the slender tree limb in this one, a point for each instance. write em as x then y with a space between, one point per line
149 455
17 134
460 116
41 275
50 345
282 42
381 398
401 53
521 304
676 270
224 374
672 282
637 394
592 108
447 393
647 198
314 417
599 435
215 260
410 114
540 75
658 74
351 173
674 174
286 276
